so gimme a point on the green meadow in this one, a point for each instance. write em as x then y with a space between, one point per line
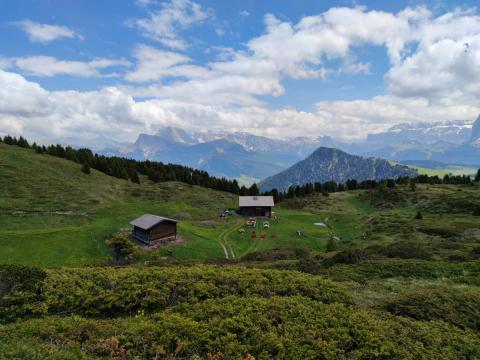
378 281
53 215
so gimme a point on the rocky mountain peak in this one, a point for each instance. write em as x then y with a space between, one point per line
475 130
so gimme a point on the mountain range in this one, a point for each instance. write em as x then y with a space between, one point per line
244 155
231 155
326 164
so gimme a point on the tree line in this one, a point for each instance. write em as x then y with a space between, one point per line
129 169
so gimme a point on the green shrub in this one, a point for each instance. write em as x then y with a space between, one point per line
352 256
467 272
20 291
234 327
458 306
107 292
402 250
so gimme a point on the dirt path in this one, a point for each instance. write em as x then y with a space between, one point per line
222 239
224 250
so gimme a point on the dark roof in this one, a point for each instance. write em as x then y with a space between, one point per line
148 221
251 201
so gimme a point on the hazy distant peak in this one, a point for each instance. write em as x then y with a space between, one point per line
175 134
475 137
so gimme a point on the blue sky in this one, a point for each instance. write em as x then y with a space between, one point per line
103 71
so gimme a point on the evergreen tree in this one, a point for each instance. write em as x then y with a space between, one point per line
253 190
390 183
476 211
477 177
134 177
22 142
351 184
86 168
123 249
413 186
331 245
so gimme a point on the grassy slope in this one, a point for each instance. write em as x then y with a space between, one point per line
52 214
454 170
446 209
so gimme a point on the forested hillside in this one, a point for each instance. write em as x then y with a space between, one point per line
328 164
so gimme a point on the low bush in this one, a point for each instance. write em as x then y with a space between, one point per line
386 198
466 272
241 328
20 291
402 250
347 257
458 306
275 254
109 292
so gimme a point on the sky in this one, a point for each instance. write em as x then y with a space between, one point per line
97 73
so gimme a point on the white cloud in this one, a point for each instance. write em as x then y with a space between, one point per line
244 13
357 118
45 33
165 24
154 64
5 63
430 78
48 66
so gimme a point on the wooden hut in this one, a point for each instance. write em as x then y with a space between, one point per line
255 205
148 228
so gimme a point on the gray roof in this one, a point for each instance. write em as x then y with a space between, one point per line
250 201
148 221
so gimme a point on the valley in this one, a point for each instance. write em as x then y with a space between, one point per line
239 180
366 275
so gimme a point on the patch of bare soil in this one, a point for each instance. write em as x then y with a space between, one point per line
161 243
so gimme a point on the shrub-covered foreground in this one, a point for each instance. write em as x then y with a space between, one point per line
458 306
465 272
236 328
228 312
108 292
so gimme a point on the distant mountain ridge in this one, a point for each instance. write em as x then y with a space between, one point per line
230 155
454 131
326 164
241 154
475 133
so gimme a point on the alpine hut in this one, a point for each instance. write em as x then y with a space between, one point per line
255 205
148 228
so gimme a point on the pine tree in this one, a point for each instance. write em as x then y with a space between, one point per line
413 186
253 190
123 249
331 246
477 177
86 168
135 178
390 183
476 211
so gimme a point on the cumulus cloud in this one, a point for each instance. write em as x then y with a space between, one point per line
164 25
430 78
45 33
48 66
298 51
154 64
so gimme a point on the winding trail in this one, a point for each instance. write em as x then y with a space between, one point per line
222 240
224 250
